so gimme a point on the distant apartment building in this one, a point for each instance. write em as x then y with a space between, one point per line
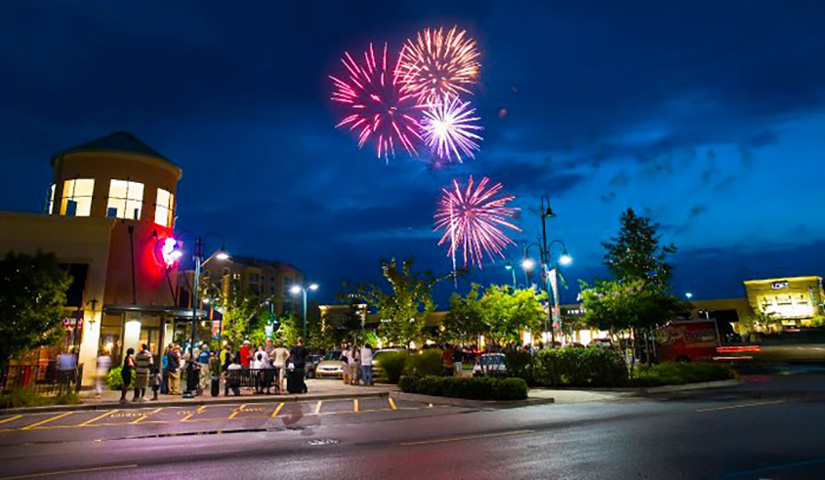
267 278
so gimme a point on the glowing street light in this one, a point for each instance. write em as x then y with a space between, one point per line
689 295
300 289
528 263
565 259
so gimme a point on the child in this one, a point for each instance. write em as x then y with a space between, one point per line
156 381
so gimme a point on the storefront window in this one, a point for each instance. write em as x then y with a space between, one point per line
164 208
77 197
125 199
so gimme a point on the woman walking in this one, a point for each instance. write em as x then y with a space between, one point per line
126 373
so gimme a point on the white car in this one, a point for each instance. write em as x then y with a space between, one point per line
331 366
493 364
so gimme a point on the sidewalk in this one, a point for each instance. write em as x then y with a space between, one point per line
317 390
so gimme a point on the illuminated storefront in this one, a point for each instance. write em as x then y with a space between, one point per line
794 300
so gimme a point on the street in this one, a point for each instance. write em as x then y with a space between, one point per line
769 427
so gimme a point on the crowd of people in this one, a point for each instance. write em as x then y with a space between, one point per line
267 368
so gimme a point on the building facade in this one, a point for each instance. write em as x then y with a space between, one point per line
110 213
269 279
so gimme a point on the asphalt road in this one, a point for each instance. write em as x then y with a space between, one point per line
771 427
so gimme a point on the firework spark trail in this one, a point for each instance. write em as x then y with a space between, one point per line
436 66
473 219
380 110
450 127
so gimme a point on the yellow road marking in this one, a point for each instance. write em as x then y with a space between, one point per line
236 412
318 407
11 418
41 422
200 409
67 472
355 405
144 415
277 410
741 405
187 417
391 402
468 437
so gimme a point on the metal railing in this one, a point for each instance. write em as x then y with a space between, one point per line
47 380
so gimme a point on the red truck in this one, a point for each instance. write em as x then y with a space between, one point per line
698 341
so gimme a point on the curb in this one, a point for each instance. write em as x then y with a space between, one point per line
691 386
197 402
467 403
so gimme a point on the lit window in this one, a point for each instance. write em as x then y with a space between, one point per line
125 200
164 208
77 197
51 200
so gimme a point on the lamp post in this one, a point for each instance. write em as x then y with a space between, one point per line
512 270
296 289
197 258
564 259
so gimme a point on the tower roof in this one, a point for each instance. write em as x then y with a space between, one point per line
116 142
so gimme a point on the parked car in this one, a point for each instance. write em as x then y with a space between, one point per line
331 366
312 364
490 364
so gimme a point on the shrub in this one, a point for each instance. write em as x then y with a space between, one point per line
481 388
26 397
680 373
520 364
392 365
593 367
428 362
115 382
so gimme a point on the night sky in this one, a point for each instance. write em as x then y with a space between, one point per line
707 116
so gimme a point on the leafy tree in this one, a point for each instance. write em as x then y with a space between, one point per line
636 253
404 311
289 328
32 294
506 313
757 320
243 312
464 322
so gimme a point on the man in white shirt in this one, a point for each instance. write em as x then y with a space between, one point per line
366 364
280 355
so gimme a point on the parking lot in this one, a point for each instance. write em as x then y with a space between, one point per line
185 420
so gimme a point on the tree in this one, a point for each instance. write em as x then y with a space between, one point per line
289 328
32 293
464 322
404 311
635 253
243 312
506 314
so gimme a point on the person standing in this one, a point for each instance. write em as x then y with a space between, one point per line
143 366
298 358
203 363
173 369
104 363
354 364
366 364
155 382
269 347
126 373
447 360
458 361
281 355
345 354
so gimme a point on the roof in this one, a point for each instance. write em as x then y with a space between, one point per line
116 142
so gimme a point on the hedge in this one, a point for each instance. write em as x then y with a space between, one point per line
679 373
579 367
481 388
392 365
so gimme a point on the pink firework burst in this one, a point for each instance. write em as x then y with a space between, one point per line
450 129
438 65
380 112
472 218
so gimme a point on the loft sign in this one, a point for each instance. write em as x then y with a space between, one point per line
779 285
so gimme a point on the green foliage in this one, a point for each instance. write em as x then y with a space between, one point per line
593 367
635 254
506 313
32 294
464 322
289 328
115 381
482 388
679 373
26 397
392 365
244 313
427 362
616 306
520 364
760 321
404 311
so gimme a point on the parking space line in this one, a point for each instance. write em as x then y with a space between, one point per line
42 422
355 405
235 412
391 402
318 406
68 472
277 410
11 419
103 415
200 409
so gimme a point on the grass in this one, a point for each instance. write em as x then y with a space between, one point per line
24 397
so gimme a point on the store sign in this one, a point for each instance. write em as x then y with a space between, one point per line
72 322
779 285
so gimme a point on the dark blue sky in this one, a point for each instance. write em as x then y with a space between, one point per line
707 116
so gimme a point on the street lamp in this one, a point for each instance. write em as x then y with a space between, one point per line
689 295
197 258
512 270
300 289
